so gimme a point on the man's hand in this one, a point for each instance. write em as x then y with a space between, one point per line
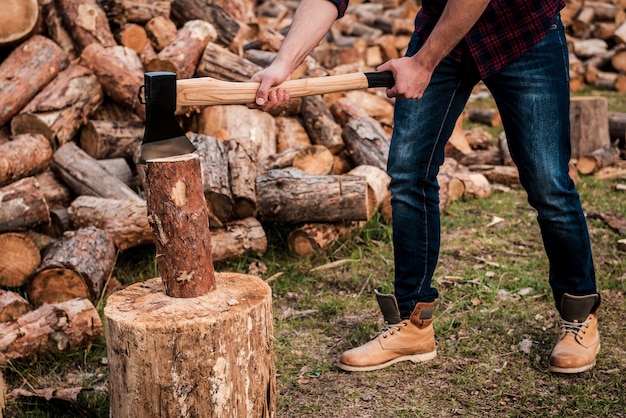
411 78
272 76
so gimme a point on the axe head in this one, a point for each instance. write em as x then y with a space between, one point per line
163 137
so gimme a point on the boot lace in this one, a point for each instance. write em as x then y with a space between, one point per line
391 328
575 327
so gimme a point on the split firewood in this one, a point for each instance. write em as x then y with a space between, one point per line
20 258
119 71
77 265
56 327
458 145
227 27
589 124
27 70
476 184
12 306
450 190
216 181
597 159
291 196
22 205
161 32
84 175
490 117
501 174
111 138
314 159
378 181
25 155
237 238
311 238
220 63
18 20
320 125
290 133
87 23
55 28
182 55
62 107
55 192
125 220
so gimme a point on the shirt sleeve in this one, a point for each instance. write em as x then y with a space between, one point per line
341 5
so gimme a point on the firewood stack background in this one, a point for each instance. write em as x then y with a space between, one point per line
71 122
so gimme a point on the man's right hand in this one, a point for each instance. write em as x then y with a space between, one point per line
271 76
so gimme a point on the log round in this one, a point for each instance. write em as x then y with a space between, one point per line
20 258
209 356
17 20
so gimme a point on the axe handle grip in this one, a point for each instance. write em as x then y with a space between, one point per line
205 91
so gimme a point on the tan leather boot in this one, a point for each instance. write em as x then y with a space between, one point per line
410 339
579 340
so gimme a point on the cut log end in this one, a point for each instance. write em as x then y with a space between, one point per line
17 20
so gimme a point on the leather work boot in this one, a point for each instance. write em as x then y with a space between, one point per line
579 340
410 339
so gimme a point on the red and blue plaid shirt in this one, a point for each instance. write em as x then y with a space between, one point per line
505 31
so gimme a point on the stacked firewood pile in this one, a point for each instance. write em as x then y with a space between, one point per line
71 121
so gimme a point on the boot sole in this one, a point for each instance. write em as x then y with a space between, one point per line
415 358
573 370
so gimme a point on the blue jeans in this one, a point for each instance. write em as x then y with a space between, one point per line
532 96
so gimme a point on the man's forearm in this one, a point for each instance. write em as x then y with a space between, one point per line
312 20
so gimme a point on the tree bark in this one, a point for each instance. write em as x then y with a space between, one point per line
12 306
77 265
237 238
320 125
62 107
218 62
56 327
227 331
87 23
309 239
26 71
291 196
179 218
226 26
25 155
598 159
125 220
111 139
20 258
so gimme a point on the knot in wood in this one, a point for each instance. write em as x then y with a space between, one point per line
179 194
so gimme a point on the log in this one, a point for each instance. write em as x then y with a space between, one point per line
111 138
59 223
56 327
20 258
147 332
18 20
12 306
320 125
161 32
119 71
589 124
489 117
182 55
133 36
291 196
77 265
84 175
314 159
450 190
179 219
374 105
617 128
62 107
24 156
22 206
125 220
122 12
86 22
501 174
215 177
218 62
378 181
598 159
312 238
505 151
227 27
56 194
55 28
458 146
366 142
290 133
26 71
238 238
243 172
282 159
491 156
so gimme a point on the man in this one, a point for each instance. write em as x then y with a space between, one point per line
518 49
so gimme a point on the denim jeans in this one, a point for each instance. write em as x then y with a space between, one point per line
532 96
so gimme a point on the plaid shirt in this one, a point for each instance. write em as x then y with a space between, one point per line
505 31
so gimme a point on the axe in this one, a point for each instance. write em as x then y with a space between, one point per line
163 136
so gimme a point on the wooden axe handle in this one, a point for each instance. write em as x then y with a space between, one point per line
205 91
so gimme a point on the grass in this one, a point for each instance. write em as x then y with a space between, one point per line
495 324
